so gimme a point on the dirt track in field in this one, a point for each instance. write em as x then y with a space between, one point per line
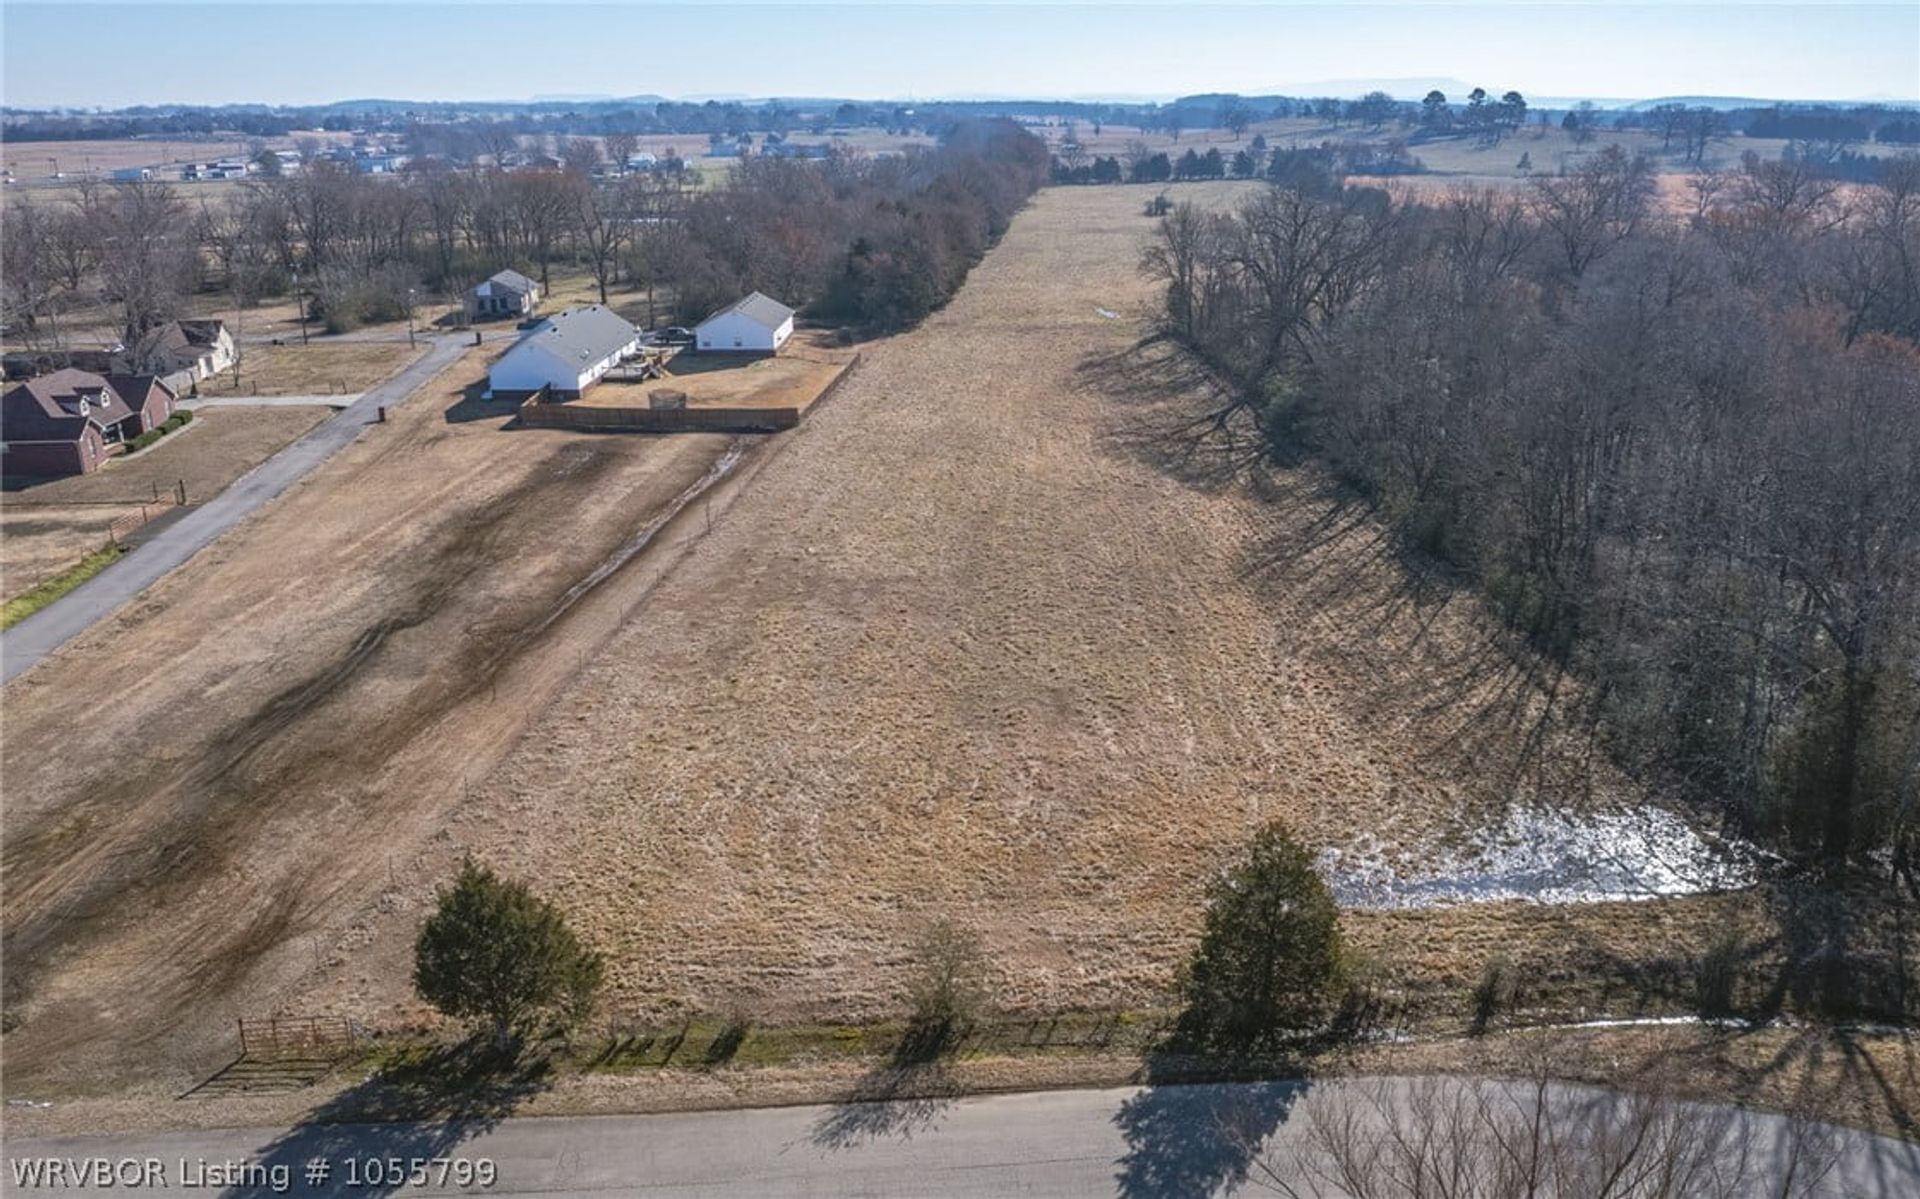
203 794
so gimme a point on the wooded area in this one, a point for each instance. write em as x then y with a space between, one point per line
875 241
1675 445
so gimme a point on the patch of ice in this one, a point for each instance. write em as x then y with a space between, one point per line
1547 856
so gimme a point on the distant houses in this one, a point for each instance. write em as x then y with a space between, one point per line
181 353
752 324
507 294
564 354
65 422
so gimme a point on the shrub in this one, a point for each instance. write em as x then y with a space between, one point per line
947 987
495 954
1494 991
1270 960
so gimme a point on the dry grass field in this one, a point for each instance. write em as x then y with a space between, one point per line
47 527
282 724
977 641
971 647
320 368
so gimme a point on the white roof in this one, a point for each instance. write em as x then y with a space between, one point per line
762 310
581 335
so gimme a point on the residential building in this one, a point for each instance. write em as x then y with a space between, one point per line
184 352
507 294
61 424
564 354
752 324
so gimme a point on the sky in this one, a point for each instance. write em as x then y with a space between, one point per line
84 54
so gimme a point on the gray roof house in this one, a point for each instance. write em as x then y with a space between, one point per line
506 294
751 324
564 354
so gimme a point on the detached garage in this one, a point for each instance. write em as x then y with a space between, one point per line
566 354
755 324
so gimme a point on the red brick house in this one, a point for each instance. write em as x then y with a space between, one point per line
64 423
149 400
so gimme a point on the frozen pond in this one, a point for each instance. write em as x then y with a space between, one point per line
1547 856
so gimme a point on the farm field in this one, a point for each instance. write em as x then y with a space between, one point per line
47 527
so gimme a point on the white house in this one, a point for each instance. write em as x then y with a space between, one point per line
754 324
567 352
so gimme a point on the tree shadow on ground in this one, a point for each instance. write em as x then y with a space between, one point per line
1484 700
906 1095
423 1108
1191 1137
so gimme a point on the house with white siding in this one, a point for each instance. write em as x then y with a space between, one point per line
564 354
752 324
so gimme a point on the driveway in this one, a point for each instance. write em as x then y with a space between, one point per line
25 644
1128 1142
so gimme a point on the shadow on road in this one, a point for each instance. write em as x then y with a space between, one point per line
1196 1138
371 1135
906 1096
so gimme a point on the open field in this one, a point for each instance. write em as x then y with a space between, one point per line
47 527
384 630
33 162
976 641
323 368
967 648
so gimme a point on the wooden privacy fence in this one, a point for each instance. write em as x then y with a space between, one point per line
297 1036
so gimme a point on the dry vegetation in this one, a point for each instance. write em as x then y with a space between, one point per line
794 379
48 527
966 648
968 644
320 368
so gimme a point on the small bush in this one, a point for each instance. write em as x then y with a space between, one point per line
947 987
1493 992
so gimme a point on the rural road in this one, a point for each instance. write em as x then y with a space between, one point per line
26 643
1127 1142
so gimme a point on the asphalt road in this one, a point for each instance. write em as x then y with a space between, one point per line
25 644
1131 1142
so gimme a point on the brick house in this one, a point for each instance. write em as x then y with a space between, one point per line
68 422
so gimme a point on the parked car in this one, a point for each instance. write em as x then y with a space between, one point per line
674 335
530 322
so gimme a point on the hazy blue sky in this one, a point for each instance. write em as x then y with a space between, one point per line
81 53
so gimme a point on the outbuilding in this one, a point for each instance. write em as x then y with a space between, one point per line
751 324
564 354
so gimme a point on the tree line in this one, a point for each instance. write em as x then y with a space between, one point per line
873 241
1676 445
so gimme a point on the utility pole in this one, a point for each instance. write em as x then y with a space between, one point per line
410 341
